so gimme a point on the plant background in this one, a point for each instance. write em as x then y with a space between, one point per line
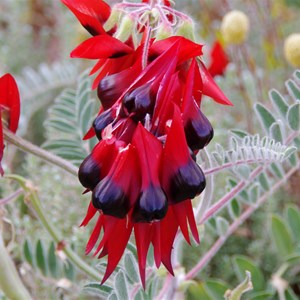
36 37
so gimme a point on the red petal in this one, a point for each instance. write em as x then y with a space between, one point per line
10 100
149 150
117 244
180 215
169 228
102 46
143 235
94 236
219 60
210 88
156 237
187 48
89 215
191 220
90 13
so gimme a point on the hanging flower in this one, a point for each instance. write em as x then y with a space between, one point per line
9 108
142 174
218 60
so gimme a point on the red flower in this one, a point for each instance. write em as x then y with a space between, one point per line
9 108
218 60
141 173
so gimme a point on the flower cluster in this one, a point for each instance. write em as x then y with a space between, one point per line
142 173
9 108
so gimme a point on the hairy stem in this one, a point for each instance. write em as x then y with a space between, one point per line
41 153
56 236
236 224
225 200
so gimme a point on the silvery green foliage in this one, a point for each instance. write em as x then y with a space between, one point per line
70 117
125 283
39 87
275 153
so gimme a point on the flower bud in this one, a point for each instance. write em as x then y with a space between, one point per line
164 31
112 20
186 29
126 29
292 49
235 27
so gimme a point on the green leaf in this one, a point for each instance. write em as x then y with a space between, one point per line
239 133
96 288
290 295
234 209
197 292
130 264
216 288
297 72
243 264
281 236
53 263
28 252
277 170
264 182
121 286
241 289
279 102
289 151
293 116
40 257
69 270
261 296
293 88
265 116
276 132
293 159
222 226
113 296
293 219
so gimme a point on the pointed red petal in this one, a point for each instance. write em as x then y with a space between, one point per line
101 46
210 88
117 244
10 100
187 48
94 236
191 220
168 231
90 13
180 215
143 234
156 237
89 215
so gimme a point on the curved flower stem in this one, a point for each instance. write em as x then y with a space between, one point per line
235 225
56 236
41 153
10 282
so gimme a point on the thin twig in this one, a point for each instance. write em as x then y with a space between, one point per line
235 225
11 197
41 153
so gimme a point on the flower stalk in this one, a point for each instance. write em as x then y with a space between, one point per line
56 236
28 147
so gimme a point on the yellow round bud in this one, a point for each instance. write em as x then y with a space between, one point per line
235 27
292 49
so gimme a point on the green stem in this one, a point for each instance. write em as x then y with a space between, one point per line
37 151
56 236
10 282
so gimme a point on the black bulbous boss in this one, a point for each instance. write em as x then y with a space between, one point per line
152 205
187 182
138 102
89 173
101 121
198 131
110 198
